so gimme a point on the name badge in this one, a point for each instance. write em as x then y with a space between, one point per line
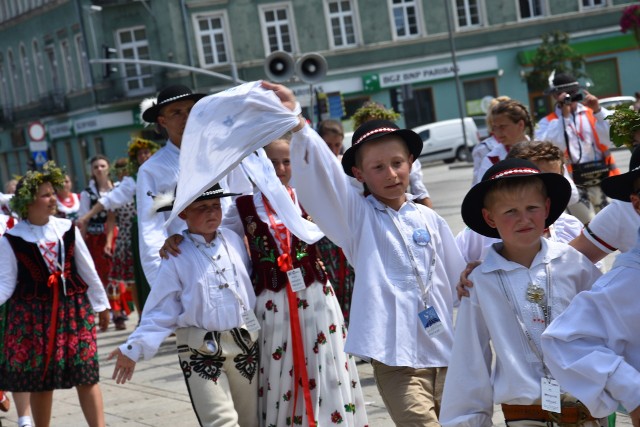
296 279
550 395
250 321
421 236
431 322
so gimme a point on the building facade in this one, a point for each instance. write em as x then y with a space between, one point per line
396 52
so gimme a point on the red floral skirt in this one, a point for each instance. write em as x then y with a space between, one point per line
95 244
74 357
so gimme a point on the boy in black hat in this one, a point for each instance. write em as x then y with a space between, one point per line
578 126
404 255
524 282
207 298
593 348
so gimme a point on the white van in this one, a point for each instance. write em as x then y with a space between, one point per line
443 140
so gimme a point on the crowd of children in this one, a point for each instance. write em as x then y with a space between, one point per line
261 337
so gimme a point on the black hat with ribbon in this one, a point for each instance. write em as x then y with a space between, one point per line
620 187
164 202
167 96
562 82
557 186
376 129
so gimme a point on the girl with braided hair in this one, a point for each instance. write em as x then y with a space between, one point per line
510 123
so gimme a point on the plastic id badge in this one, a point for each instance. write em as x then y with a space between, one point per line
296 279
431 322
250 321
550 395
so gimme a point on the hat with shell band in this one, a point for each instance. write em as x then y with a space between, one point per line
620 187
167 96
557 186
376 129
164 202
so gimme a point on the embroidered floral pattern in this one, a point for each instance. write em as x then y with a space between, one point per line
277 355
269 305
206 365
332 328
336 417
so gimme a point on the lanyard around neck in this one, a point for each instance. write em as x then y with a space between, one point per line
424 287
546 309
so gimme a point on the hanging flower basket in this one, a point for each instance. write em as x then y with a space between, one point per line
630 21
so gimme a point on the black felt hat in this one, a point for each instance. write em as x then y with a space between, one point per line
375 129
163 203
620 187
562 82
558 191
167 96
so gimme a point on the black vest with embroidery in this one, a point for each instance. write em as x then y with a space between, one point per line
33 272
264 252
96 222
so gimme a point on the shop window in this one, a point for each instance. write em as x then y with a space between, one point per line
605 77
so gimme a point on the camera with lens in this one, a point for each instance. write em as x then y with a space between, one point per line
572 97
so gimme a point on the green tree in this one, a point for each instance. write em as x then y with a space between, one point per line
554 53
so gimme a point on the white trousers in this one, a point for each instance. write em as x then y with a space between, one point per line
220 375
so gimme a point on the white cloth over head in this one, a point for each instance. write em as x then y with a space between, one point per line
225 128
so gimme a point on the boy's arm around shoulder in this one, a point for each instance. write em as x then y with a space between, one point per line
325 191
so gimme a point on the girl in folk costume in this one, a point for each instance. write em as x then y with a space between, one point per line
6 222
95 234
122 200
68 201
52 292
303 331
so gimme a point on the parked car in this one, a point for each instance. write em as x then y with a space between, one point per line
481 124
443 140
616 101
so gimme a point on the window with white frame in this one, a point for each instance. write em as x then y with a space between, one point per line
405 18
83 63
133 44
37 65
531 8
26 74
212 40
468 13
277 28
593 3
13 78
67 65
341 20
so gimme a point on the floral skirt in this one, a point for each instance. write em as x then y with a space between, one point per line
74 356
95 244
334 386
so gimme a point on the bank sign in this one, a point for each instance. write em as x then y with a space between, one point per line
375 82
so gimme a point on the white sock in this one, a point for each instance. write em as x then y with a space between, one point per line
25 421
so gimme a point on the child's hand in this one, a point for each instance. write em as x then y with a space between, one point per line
171 246
464 280
285 94
635 417
108 249
123 371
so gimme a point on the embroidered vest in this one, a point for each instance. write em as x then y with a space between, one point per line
33 272
606 154
96 222
264 252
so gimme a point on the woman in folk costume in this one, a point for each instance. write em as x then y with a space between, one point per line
52 292
68 201
95 234
303 330
122 199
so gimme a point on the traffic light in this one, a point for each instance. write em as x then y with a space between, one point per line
107 53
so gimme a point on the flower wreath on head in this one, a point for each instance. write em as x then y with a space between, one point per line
132 150
371 110
625 122
28 186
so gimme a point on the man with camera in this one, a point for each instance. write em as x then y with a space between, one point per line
578 127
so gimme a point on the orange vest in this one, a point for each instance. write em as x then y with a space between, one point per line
608 157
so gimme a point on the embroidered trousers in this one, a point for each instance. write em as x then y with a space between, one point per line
221 376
